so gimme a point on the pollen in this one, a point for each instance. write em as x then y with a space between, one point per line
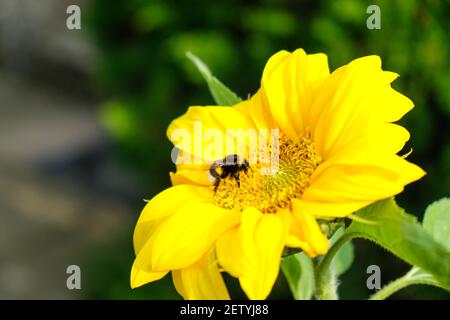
269 193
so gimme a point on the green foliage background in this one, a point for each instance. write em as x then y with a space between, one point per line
143 70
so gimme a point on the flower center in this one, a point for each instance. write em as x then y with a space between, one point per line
268 193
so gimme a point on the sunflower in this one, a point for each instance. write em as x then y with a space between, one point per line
336 153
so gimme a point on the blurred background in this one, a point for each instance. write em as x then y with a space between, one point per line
84 113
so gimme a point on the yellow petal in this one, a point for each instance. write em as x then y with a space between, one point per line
257 109
140 277
201 280
229 252
291 82
209 133
357 142
352 103
154 213
347 184
378 138
162 206
191 177
183 238
254 250
305 232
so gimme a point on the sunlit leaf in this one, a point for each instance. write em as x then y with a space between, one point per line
221 94
401 234
344 257
437 221
299 272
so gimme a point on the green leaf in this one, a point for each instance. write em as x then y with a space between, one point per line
418 276
221 94
414 277
401 234
344 257
437 221
299 272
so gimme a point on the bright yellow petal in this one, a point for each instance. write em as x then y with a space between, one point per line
191 176
358 144
257 109
385 138
229 252
202 280
140 277
350 183
154 213
162 206
254 250
209 133
263 241
352 104
183 238
291 82
305 232
178 283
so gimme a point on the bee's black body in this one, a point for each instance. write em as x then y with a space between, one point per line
231 167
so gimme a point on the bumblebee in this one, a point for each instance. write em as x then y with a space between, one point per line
230 166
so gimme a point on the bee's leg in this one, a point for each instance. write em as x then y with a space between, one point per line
238 180
214 174
216 184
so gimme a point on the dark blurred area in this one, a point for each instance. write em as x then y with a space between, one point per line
84 114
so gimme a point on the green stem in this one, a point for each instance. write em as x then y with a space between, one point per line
326 285
414 276
326 282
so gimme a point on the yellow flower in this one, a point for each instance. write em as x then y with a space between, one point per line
337 153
